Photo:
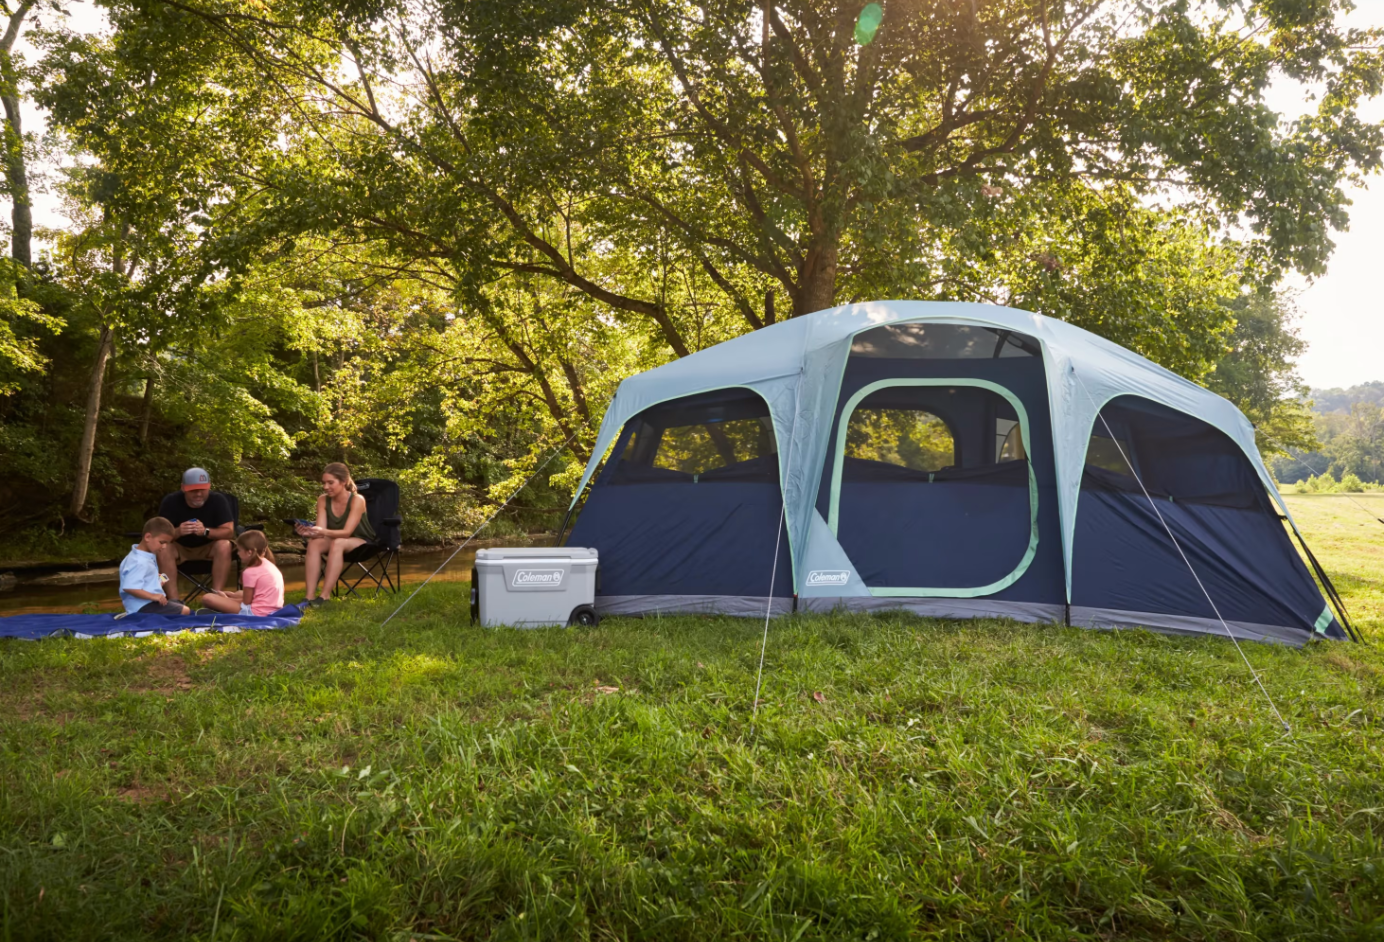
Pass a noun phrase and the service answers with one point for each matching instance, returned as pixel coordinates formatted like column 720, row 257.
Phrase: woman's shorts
column 245, row 610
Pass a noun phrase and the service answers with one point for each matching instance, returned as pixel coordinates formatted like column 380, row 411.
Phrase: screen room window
column 723, row 436
column 909, row 438
column 706, row 446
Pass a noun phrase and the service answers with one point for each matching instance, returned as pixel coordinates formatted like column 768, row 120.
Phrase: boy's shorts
column 161, row 608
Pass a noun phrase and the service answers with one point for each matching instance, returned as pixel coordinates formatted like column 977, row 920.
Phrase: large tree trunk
column 98, row 377
column 16, row 174
column 93, row 411
column 817, row 280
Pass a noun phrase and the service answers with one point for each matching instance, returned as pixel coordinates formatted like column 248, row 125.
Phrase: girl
column 263, row 585
column 341, row 526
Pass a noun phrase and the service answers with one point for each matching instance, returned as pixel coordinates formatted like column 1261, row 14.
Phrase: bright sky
column 1342, row 312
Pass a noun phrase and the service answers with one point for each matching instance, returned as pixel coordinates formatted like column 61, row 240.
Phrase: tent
column 955, row 460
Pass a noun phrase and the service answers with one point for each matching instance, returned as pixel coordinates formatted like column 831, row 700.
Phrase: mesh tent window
column 727, row 436
column 914, row 439
column 934, row 431
column 942, row 342
column 1178, row 457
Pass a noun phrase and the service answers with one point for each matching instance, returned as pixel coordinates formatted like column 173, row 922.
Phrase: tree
column 16, row 170
column 166, row 137
column 1258, row 375
column 791, row 158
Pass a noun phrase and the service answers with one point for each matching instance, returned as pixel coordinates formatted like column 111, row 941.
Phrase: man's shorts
column 182, row 554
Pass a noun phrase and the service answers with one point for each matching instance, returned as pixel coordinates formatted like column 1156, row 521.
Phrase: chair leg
column 198, row 587
column 377, row 572
column 350, row 590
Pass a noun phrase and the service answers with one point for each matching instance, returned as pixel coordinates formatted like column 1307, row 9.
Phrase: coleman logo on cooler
column 828, row 577
column 547, row 578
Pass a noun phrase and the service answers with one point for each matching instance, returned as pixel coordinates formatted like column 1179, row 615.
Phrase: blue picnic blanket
column 34, row 627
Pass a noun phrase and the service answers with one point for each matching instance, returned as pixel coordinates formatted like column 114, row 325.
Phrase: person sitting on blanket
column 263, row 584
column 205, row 529
column 342, row 525
column 141, row 583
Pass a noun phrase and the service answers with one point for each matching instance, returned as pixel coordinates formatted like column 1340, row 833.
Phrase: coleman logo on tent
column 828, row 577
column 537, row 578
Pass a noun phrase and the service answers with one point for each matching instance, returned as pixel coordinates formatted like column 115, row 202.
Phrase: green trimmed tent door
column 932, row 491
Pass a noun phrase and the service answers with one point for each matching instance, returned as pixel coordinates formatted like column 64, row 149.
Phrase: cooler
column 534, row 587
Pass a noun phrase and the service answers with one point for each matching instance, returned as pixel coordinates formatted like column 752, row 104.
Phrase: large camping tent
column 950, row 459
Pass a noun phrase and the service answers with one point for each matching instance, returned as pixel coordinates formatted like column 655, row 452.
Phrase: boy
column 141, row 586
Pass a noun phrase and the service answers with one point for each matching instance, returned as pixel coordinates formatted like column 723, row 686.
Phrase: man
column 205, row 530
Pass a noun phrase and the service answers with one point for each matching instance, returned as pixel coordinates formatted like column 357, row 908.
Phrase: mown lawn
column 905, row 779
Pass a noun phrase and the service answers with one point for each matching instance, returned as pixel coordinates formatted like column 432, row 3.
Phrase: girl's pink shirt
column 268, row 585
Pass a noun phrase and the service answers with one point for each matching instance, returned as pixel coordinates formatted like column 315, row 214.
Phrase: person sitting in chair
column 205, row 529
column 342, row 525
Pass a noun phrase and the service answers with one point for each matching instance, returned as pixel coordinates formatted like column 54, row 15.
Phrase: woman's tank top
column 363, row 529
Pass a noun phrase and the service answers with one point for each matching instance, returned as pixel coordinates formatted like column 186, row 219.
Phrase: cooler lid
column 497, row 553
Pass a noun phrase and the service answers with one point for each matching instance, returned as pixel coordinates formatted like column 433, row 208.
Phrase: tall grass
column 905, row 779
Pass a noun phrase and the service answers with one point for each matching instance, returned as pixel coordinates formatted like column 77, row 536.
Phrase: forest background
column 430, row 237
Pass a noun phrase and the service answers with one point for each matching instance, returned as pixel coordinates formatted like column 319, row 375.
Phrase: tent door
column 932, row 490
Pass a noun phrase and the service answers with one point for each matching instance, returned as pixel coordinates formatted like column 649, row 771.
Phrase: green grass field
column 905, row 779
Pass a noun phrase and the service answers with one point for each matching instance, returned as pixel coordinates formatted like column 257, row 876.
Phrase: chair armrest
column 133, row 535
column 392, row 521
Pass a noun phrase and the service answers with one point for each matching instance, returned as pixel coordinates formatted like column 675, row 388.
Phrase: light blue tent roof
column 797, row 366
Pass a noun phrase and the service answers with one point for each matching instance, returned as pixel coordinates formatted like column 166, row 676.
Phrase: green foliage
column 433, row 241
column 1257, row 374
column 1352, row 443
column 1326, row 484
column 22, row 323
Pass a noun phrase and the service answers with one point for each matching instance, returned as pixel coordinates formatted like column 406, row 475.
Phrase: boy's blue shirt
column 139, row 570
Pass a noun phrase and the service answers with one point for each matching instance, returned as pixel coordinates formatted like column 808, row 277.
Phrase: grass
column 1345, row 533
column 905, row 779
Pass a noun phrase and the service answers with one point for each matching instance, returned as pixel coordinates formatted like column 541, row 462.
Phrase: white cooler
column 534, row 587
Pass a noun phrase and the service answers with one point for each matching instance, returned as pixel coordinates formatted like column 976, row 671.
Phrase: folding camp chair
column 372, row 560
column 198, row 571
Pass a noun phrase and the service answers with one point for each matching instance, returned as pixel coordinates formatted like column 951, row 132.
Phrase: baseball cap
column 196, row 479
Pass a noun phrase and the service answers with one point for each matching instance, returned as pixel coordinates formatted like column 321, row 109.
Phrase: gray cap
column 196, row 479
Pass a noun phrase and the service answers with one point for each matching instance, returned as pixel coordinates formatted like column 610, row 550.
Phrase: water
column 104, row 597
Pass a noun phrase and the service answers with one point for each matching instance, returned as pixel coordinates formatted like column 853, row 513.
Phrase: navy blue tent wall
column 687, row 511
column 1193, row 480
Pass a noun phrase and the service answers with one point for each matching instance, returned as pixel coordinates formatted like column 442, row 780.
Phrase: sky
column 1342, row 312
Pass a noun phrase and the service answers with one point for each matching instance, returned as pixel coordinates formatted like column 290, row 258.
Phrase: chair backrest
column 235, row 510
column 382, row 508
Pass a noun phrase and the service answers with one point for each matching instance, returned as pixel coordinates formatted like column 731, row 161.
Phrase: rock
column 80, row 577
column 7, row 581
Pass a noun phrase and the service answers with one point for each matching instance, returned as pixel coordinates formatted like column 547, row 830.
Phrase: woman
column 263, row 585
column 341, row 526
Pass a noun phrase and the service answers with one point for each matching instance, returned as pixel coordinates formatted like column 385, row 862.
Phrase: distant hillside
column 1349, row 423
column 1326, row 401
